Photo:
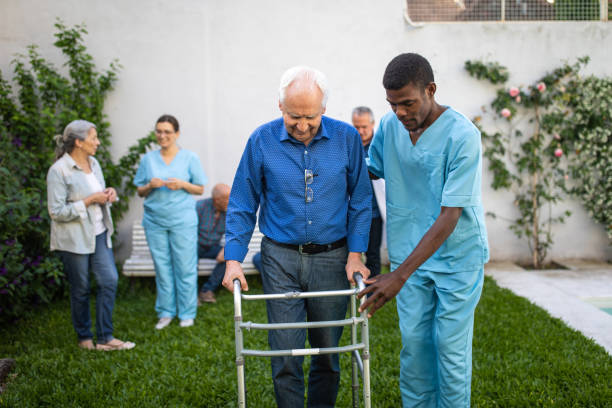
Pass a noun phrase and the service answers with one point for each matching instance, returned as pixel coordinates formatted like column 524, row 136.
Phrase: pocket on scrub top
column 434, row 165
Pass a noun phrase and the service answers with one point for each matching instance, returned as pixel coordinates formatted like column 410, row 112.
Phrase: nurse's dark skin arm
column 384, row 287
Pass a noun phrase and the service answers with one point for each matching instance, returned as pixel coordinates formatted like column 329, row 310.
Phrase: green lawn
column 522, row 358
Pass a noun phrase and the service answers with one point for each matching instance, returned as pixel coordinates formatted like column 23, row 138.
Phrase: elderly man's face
column 302, row 110
column 365, row 126
column 220, row 202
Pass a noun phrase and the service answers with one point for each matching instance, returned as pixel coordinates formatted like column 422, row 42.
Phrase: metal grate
column 506, row 10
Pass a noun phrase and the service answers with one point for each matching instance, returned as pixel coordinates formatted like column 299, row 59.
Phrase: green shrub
column 558, row 126
column 42, row 103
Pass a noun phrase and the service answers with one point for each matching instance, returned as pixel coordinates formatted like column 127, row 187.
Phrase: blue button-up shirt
column 271, row 176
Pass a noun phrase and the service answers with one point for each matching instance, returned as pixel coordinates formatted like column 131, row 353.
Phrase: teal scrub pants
column 175, row 255
column 436, row 317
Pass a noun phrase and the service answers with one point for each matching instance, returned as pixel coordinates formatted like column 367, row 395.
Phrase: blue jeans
column 216, row 277
column 286, row 270
column 76, row 267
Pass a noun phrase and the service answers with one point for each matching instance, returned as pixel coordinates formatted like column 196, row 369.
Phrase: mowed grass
column 522, row 358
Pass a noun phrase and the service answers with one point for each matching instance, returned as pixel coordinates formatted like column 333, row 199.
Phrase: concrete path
column 574, row 295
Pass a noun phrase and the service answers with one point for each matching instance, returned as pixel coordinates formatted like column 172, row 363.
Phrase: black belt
column 311, row 248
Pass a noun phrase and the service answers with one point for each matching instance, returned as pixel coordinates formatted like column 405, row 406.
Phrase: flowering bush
column 564, row 113
column 41, row 105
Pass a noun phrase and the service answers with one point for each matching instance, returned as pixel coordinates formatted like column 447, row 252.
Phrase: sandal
column 86, row 344
column 115, row 344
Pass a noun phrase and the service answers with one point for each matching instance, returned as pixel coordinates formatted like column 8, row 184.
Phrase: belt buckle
column 301, row 247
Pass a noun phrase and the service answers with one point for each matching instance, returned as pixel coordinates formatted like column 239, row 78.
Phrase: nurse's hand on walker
column 233, row 270
column 384, row 287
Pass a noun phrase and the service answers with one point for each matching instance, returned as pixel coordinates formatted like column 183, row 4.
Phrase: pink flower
column 505, row 112
column 566, row 177
column 518, row 99
column 541, row 86
column 556, row 136
column 558, row 152
column 514, row 91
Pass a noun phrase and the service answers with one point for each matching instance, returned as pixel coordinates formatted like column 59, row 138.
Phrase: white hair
column 303, row 72
column 77, row 129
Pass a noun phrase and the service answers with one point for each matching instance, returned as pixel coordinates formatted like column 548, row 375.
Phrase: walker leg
column 239, row 346
column 365, row 338
column 355, row 382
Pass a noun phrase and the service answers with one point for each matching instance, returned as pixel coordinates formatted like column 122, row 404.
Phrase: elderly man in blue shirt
column 307, row 173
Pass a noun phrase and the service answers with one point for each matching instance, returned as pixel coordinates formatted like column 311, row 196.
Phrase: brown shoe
column 207, row 297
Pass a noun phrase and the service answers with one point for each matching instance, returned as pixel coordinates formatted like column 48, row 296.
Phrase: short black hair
column 407, row 68
column 170, row 119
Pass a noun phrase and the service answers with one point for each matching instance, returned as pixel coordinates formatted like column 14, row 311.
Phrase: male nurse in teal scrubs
column 430, row 158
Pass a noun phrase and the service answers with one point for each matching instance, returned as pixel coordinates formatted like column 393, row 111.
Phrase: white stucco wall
column 216, row 65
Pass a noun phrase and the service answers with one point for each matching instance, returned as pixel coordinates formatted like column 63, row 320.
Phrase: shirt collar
column 73, row 164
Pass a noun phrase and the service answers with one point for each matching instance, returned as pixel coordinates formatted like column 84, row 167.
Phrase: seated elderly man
column 211, row 227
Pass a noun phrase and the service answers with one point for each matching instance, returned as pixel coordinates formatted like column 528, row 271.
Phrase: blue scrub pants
column 175, row 255
column 436, row 317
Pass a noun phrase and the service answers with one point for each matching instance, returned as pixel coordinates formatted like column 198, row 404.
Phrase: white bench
column 140, row 263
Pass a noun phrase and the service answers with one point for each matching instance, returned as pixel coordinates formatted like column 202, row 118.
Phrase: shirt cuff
column 459, row 201
column 357, row 243
column 233, row 252
column 81, row 209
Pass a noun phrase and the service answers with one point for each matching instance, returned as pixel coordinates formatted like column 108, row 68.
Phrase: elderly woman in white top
column 81, row 229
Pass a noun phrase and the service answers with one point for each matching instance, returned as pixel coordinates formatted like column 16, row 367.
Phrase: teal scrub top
column 164, row 207
column 443, row 168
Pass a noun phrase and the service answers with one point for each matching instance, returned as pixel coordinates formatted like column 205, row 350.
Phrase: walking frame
column 360, row 361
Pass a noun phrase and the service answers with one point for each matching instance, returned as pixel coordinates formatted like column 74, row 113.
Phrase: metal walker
column 360, row 361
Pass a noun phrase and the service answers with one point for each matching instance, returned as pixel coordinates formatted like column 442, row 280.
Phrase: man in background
column 363, row 120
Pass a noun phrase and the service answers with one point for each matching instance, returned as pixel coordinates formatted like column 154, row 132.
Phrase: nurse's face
column 166, row 135
column 412, row 104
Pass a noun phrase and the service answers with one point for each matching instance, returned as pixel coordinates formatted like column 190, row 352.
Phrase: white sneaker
column 186, row 323
column 163, row 322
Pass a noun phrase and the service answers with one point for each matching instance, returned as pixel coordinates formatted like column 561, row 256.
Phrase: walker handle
column 358, row 278
column 237, row 286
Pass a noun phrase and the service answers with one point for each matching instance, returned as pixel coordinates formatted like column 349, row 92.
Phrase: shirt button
column 305, row 151
column 309, row 222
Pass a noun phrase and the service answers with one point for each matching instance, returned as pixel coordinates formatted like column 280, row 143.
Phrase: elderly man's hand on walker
column 233, row 271
column 355, row 264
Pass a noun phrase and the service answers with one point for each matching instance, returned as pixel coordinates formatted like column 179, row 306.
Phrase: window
column 420, row 11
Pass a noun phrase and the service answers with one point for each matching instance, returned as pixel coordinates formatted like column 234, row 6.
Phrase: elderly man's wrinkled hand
column 354, row 264
column 233, row 271
column 382, row 288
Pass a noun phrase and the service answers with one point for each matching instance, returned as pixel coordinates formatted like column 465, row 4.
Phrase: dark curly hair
column 407, row 68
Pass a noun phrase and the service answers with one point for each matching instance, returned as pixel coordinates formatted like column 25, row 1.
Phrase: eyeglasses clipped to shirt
column 308, row 179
